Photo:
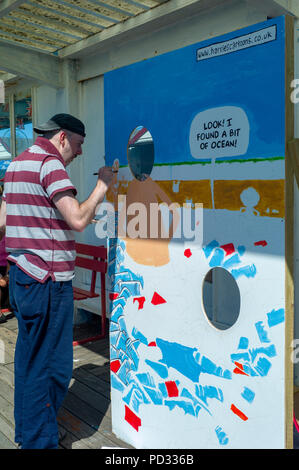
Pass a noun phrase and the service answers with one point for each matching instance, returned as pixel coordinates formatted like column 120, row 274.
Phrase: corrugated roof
column 50, row 25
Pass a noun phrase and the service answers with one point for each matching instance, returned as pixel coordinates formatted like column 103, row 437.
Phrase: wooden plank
column 99, row 9
column 54, row 37
column 7, row 392
column 9, row 5
column 74, row 12
column 289, row 236
column 165, row 14
column 5, row 443
column 93, row 398
column 6, row 411
column 6, row 376
column 293, row 151
column 83, row 432
column 29, row 64
column 60, row 21
column 93, row 382
column 86, row 413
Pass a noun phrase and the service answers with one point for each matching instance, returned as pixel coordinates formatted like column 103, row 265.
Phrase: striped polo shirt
column 38, row 239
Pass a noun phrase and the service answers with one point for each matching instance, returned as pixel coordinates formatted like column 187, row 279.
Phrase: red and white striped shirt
column 37, row 238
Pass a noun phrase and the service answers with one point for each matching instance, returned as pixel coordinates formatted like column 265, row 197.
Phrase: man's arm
column 79, row 215
column 2, row 219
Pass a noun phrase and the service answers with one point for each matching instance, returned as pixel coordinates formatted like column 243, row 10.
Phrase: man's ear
column 62, row 137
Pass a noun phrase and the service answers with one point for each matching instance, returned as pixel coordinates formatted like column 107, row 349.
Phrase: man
column 40, row 213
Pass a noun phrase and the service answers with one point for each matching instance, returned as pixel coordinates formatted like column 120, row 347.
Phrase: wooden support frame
column 33, row 65
column 289, row 233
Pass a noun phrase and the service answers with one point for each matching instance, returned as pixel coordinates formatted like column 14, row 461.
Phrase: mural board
column 216, row 114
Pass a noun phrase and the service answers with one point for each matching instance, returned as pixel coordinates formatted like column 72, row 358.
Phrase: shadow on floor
column 86, row 410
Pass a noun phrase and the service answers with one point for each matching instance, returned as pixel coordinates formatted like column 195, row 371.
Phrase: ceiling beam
column 7, row 6
column 29, row 64
column 164, row 14
column 292, row 6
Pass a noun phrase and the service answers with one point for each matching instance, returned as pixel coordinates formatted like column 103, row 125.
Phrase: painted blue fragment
column 113, row 326
column 275, row 317
column 122, row 373
column 269, row 351
column 114, row 337
column 217, row 258
column 221, row 435
column 138, row 335
column 154, row 395
column 135, row 397
column 180, row 357
column 163, row 389
column 122, row 340
column 209, row 391
column 239, row 356
column 118, row 301
column 146, row 379
column 209, row 367
column 113, row 353
column 116, row 383
column 161, row 369
column 263, row 366
column 122, row 324
column 196, row 402
column 243, row 343
column 185, row 405
column 210, row 247
column 249, row 370
column 132, row 353
column 248, row 271
column 241, row 250
column 248, row 395
column 232, row 261
column 263, row 335
column 116, row 313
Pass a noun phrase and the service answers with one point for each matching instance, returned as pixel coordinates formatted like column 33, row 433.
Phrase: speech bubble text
column 219, row 132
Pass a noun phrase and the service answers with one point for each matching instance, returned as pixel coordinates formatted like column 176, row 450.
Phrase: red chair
column 94, row 259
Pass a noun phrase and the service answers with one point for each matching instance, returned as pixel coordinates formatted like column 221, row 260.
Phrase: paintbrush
column 113, row 171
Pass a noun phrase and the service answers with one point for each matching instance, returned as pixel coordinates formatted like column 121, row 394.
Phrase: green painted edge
column 254, row 160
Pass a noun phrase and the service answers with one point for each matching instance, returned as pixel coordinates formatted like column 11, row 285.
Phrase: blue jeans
column 43, row 356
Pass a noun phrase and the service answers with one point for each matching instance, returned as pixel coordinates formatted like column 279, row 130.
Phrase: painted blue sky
column 165, row 93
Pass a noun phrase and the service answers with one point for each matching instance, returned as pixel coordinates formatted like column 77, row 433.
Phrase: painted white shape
column 219, row 132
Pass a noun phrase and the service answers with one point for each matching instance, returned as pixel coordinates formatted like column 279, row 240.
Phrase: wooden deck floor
column 85, row 414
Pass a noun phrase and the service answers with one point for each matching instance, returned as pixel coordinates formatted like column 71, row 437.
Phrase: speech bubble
column 219, row 132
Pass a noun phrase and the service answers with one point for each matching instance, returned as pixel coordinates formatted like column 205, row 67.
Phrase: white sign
column 219, row 132
column 236, row 44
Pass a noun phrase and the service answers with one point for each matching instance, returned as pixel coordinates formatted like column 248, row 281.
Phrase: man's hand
column 105, row 176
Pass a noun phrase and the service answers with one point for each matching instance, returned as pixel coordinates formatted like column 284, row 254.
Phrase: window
column 23, row 124
column 16, row 129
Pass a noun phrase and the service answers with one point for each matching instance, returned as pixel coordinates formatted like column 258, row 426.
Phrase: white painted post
column 2, row 94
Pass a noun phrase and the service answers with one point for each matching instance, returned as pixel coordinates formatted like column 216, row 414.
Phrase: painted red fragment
column 115, row 365
column 228, row 248
column 261, row 243
column 172, row 389
column 140, row 301
column 113, row 295
column 238, row 412
column 157, row 299
column 188, row 253
column 239, row 369
column 132, row 419
column 152, row 343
